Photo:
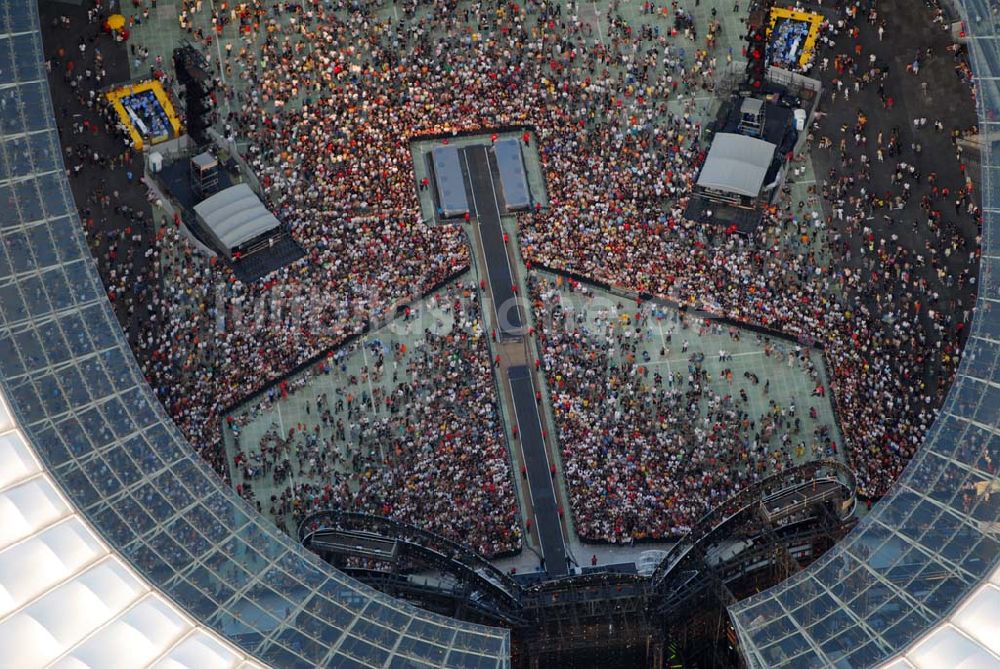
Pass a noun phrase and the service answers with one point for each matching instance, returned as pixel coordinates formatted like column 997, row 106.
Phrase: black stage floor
column 256, row 266
column 486, row 208
column 536, row 461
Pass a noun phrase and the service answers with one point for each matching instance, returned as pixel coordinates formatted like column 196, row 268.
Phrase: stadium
column 441, row 333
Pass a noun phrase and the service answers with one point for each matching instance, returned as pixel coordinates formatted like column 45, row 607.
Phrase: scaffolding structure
column 759, row 537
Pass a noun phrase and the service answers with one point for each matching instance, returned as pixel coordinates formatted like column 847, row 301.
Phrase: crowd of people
column 328, row 95
column 876, row 305
column 414, row 435
column 648, row 450
column 328, row 124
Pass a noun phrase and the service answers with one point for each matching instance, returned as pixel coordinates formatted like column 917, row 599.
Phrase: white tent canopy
column 737, row 164
column 235, row 216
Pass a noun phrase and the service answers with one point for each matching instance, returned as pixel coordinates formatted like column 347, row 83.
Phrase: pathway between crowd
column 518, row 389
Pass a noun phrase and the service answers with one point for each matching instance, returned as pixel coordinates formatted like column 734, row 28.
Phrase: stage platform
column 175, row 178
column 536, row 461
column 487, row 210
column 449, row 182
column 259, row 264
column 724, row 217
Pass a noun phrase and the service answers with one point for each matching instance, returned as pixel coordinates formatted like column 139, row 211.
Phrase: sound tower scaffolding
column 760, row 15
column 599, row 619
column 760, row 536
column 195, row 73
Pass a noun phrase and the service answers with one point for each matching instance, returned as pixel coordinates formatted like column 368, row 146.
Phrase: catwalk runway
column 486, row 208
column 536, row 461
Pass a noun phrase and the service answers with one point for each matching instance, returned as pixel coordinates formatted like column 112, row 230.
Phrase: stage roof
column 513, row 179
column 737, row 164
column 235, row 215
column 449, row 181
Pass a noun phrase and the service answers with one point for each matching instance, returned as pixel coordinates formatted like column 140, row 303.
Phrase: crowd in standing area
column 328, row 95
column 414, row 434
column 891, row 341
column 328, row 100
column 649, row 449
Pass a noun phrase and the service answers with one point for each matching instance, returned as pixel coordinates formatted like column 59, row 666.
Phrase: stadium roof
column 164, row 550
column 235, row 215
column 969, row 638
column 130, row 528
column 52, row 562
column 737, row 164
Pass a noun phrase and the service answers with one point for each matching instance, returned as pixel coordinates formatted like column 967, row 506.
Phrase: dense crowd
column 329, row 125
column 328, row 96
column 891, row 341
column 648, row 450
column 414, row 435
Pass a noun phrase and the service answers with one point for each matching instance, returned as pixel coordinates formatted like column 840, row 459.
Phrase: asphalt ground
column 103, row 223
column 536, row 461
column 935, row 93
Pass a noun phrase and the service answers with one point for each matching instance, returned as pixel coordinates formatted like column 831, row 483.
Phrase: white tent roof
column 66, row 600
column 737, row 164
column 235, row 215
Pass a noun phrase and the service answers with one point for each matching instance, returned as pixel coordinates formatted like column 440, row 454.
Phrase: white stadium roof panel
column 66, row 601
column 27, row 507
column 898, row 663
column 198, row 651
column 947, row 647
column 979, row 617
column 29, row 568
column 140, row 634
column 17, row 462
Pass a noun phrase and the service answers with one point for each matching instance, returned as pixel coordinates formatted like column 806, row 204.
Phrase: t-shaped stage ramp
column 484, row 200
column 540, row 480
